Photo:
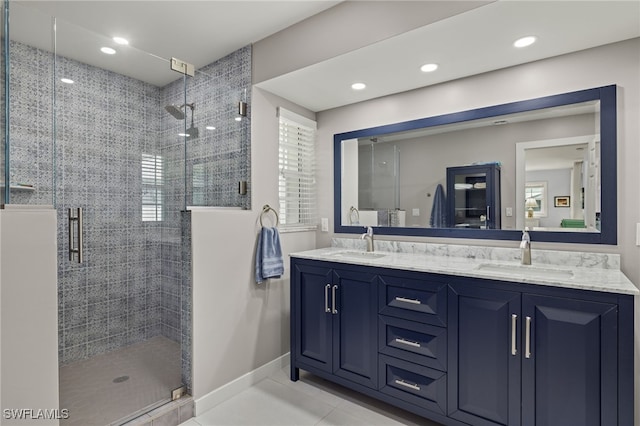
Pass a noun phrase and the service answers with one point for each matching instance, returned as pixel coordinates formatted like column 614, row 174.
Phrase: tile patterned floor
column 88, row 390
column 311, row 401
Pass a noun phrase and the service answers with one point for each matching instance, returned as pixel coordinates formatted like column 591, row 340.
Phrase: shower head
column 176, row 111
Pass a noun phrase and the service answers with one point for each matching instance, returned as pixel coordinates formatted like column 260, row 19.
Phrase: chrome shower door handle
column 75, row 234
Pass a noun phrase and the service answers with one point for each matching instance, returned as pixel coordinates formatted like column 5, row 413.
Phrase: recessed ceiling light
column 183, row 134
column 429, row 67
column 524, row 41
column 210, row 128
column 121, row 40
column 238, row 118
column 66, row 80
column 108, row 50
column 358, row 86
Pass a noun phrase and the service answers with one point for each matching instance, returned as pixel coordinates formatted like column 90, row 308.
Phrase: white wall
column 29, row 312
column 618, row 63
column 239, row 325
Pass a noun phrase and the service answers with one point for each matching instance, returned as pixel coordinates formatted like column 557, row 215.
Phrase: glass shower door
column 118, row 322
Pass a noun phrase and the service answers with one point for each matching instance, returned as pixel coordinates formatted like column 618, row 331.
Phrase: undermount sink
column 526, row 270
column 358, row 254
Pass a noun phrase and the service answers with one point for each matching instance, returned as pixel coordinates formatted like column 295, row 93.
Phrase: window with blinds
column 152, row 182
column 297, row 183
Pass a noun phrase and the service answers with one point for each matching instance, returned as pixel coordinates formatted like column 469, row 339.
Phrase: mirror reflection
column 538, row 169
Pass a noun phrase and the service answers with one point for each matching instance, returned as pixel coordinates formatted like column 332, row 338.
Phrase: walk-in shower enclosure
column 133, row 148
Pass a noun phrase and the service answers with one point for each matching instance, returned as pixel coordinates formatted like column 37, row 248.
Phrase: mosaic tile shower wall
column 216, row 160
column 135, row 282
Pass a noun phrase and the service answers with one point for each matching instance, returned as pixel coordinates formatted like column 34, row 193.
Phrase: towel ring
column 353, row 210
column 266, row 209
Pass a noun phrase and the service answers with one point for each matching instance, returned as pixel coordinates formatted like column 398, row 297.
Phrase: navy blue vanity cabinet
column 334, row 320
column 538, row 356
column 570, row 365
column 412, row 338
column 473, row 196
column 484, row 379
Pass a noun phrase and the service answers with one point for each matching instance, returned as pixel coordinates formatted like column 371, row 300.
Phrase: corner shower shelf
column 18, row 187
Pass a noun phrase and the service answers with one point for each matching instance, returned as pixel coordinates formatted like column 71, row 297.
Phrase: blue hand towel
column 438, row 210
column 269, row 262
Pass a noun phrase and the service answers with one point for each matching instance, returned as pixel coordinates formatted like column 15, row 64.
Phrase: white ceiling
column 201, row 32
column 198, row 32
column 473, row 42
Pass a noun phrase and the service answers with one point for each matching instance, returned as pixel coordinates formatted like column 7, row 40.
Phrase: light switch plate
column 416, row 212
column 324, row 224
column 508, row 211
column 638, row 234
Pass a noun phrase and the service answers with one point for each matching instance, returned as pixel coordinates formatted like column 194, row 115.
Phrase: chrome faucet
column 525, row 246
column 369, row 237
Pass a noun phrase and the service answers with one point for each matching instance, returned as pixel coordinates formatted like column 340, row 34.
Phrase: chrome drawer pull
column 408, row 342
column 407, row 385
column 405, row 300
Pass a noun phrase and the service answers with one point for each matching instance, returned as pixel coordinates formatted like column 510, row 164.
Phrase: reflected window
column 536, row 191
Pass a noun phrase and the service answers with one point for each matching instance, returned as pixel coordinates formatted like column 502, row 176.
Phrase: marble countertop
column 609, row 280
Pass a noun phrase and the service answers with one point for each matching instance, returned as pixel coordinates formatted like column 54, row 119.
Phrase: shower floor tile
column 108, row 387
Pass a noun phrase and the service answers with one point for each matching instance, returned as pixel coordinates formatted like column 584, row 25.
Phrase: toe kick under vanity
column 466, row 335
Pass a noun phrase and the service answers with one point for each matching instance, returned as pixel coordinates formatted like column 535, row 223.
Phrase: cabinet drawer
column 413, row 341
column 418, row 385
column 416, row 300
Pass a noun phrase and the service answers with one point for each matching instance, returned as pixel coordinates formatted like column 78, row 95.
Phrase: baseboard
column 224, row 392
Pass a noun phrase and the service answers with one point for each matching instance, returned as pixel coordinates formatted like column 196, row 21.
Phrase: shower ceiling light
column 358, row 86
column 108, row 50
column 120, row 40
column 524, row 41
column 66, row 80
column 429, row 67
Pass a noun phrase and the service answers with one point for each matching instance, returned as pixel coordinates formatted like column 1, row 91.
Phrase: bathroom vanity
column 465, row 335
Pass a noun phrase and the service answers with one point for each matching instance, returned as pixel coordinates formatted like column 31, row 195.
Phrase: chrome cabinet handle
column 514, row 325
column 527, row 338
column 408, row 342
column 407, row 385
column 333, row 300
column 75, row 227
column 326, row 298
column 405, row 300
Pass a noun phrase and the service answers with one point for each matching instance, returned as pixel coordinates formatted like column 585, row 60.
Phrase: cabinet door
column 570, row 375
column 483, row 372
column 355, row 326
column 312, row 321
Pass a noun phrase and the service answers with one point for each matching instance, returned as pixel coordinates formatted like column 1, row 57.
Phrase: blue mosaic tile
column 135, row 282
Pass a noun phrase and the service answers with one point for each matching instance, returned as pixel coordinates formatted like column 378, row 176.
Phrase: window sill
column 301, row 228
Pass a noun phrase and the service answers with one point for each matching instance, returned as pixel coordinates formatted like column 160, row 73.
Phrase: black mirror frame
column 607, row 95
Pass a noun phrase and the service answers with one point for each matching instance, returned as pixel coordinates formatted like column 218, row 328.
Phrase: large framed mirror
column 548, row 164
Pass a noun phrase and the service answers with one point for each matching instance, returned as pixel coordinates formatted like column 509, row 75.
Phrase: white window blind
column 152, row 181
column 297, row 182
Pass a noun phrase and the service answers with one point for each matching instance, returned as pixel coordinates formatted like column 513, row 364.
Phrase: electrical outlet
column 324, row 224
column 508, row 211
column 415, row 212
column 638, row 234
